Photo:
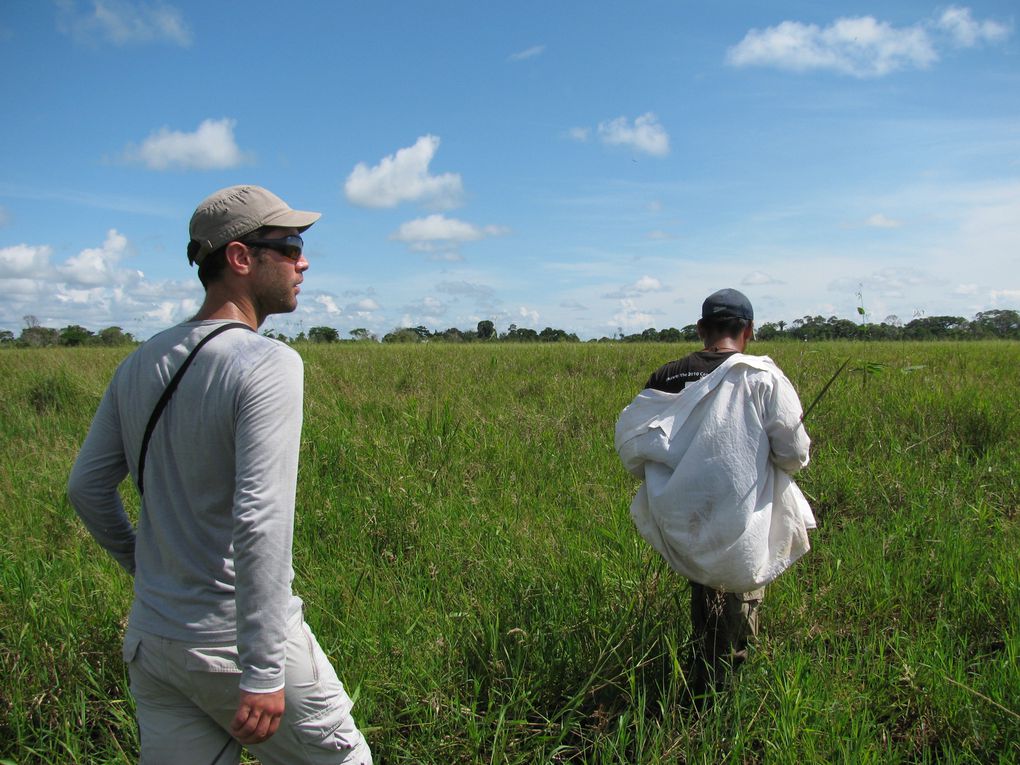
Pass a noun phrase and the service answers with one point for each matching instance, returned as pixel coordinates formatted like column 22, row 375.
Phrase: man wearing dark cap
column 206, row 418
column 716, row 435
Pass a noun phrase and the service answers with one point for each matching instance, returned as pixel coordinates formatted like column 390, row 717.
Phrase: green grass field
column 466, row 557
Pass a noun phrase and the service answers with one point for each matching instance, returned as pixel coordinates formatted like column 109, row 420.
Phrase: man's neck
column 221, row 307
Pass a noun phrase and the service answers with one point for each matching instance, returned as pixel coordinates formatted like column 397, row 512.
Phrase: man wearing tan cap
column 206, row 418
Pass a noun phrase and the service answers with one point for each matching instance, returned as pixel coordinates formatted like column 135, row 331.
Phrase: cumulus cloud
column 645, row 134
column 328, row 304
column 210, row 147
column 366, row 304
column 862, row 46
column 404, row 177
column 759, row 278
column 439, row 233
column 121, row 22
column 427, row 306
column 579, row 134
column 966, row 32
column 91, row 288
column 528, row 314
column 631, row 317
column 532, row 52
column 98, row 266
column 642, row 286
column 23, row 260
column 878, row 220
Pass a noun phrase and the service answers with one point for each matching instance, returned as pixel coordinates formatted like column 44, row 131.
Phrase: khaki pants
column 187, row 693
column 722, row 625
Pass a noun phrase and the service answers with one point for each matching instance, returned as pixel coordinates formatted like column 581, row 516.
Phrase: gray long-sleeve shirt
column 212, row 554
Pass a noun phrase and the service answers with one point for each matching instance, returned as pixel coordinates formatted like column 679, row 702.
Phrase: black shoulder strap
column 169, row 392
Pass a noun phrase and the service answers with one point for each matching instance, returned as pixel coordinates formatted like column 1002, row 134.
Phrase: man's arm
column 267, row 440
column 788, row 440
column 92, row 486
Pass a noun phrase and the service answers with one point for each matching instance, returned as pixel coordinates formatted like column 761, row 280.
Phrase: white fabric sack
column 717, row 501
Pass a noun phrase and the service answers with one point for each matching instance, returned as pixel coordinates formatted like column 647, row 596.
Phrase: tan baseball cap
column 232, row 212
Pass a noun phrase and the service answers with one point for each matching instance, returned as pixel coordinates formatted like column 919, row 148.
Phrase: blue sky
column 598, row 167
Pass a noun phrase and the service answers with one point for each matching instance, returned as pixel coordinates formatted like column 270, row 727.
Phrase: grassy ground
column 466, row 557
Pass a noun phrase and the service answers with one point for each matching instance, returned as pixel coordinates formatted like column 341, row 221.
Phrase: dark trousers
column 722, row 626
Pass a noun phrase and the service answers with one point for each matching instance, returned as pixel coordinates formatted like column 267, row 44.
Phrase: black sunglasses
column 288, row 246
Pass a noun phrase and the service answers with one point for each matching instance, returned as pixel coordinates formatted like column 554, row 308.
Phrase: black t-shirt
column 672, row 377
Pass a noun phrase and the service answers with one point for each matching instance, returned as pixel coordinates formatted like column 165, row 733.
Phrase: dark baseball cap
column 230, row 213
column 727, row 304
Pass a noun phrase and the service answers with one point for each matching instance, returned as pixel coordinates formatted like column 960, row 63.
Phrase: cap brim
column 299, row 219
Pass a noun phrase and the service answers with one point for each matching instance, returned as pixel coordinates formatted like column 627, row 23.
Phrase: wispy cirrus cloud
column 862, row 46
column 121, row 22
column 210, row 147
column 880, row 220
column 404, row 177
column 533, row 52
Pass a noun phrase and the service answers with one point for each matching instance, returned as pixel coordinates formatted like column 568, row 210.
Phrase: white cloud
column 328, row 303
column 481, row 292
column 97, row 266
column 529, row 314
column 1008, row 297
column 210, row 147
column 966, row 289
column 646, row 134
column 24, row 260
column 647, row 284
column 532, row 52
column 579, row 133
column 366, row 304
column 631, row 317
column 759, row 278
column 966, row 32
column 5, row 217
column 642, row 286
column 431, row 308
column 121, row 22
column 890, row 282
column 860, row 46
column 573, row 305
column 878, row 220
column 90, row 288
column 404, row 177
column 658, row 235
column 437, row 232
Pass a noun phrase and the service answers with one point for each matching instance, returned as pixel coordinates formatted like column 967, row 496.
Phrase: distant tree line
column 1003, row 324
column 36, row 336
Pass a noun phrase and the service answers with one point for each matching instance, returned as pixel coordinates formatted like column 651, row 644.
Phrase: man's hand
column 258, row 716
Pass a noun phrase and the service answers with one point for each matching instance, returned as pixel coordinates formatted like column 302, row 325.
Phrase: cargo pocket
column 129, row 649
column 332, row 730
column 216, row 659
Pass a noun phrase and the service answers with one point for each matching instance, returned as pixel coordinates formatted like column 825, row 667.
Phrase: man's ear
column 239, row 258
